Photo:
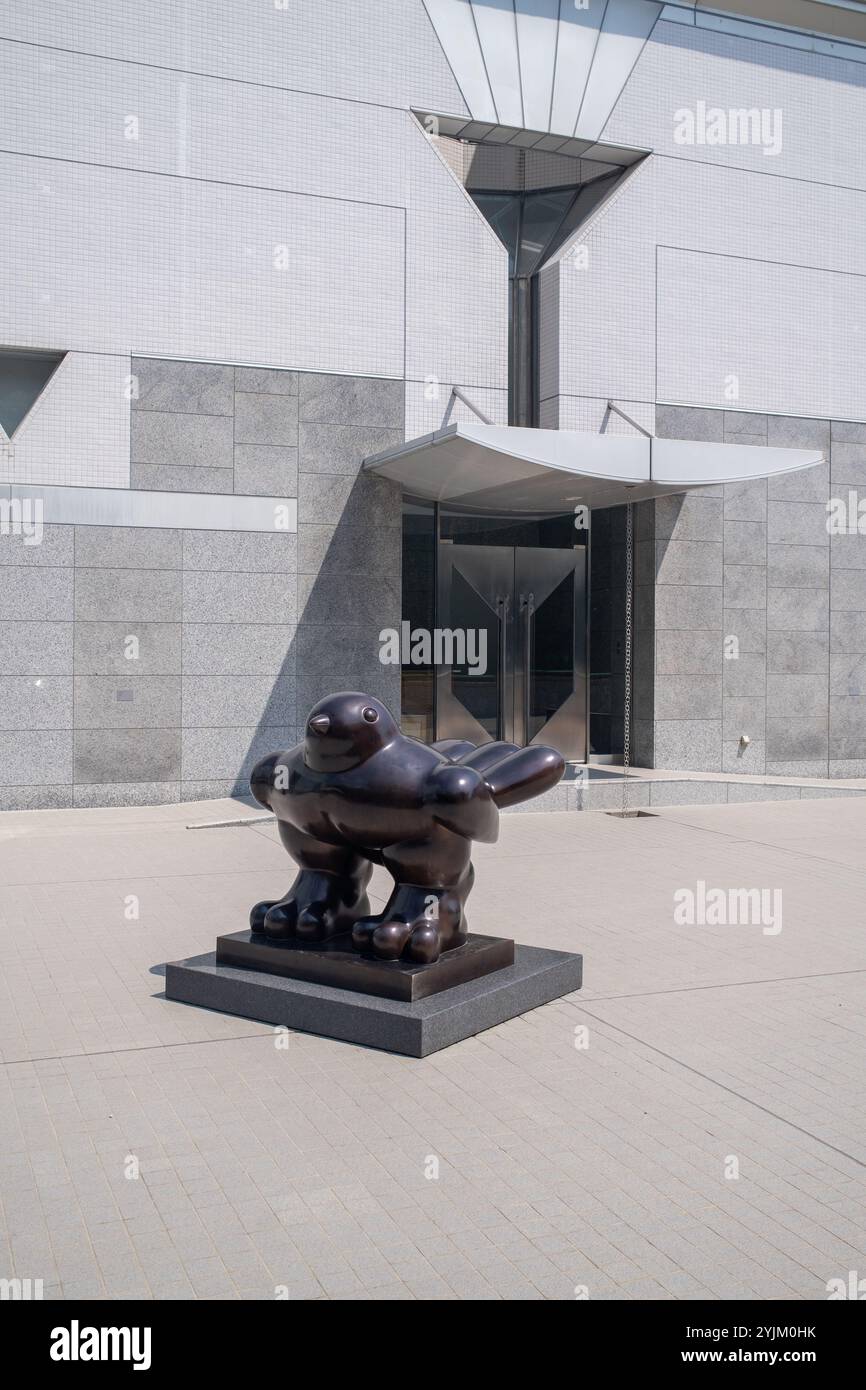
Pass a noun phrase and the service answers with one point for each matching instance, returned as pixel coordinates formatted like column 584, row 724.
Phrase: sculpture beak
column 320, row 724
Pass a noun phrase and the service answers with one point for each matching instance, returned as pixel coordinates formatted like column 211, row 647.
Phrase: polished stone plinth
column 413, row 1028
column 338, row 964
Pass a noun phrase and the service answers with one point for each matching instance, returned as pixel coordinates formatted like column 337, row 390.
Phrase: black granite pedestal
column 416, row 1024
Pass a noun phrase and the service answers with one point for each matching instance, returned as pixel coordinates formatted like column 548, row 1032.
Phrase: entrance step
column 590, row 788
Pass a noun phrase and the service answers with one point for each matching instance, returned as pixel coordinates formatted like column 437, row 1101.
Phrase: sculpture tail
column 512, row 774
column 520, row 775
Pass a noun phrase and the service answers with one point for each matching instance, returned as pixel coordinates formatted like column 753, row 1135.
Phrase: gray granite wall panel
column 794, row 599
column 142, row 665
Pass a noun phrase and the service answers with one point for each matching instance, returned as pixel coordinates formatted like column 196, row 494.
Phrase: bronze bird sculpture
column 357, row 792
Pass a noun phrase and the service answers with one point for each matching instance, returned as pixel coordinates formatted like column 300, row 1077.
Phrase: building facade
column 330, row 325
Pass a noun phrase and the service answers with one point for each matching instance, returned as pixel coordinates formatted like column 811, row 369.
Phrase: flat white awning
column 509, row 468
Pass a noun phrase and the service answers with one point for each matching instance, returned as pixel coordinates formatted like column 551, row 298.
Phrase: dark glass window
column 469, row 528
column 419, row 606
column 607, row 631
column 23, row 377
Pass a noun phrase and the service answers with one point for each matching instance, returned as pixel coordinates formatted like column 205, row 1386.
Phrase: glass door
column 550, row 683
column 473, row 640
column 511, row 635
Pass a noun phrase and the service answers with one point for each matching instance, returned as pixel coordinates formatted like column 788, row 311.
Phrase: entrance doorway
column 523, row 608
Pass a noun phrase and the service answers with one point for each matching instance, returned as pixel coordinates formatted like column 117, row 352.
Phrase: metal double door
column 511, row 629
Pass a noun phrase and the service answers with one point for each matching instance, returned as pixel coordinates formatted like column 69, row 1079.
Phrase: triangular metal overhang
column 509, row 468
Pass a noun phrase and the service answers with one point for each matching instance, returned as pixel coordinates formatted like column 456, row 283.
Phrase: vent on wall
column 24, row 374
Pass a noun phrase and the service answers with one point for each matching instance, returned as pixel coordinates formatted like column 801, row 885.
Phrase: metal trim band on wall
column 187, row 511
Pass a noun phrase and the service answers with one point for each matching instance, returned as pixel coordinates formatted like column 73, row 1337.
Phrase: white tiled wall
column 822, row 101
column 370, row 51
column 760, row 336
column 107, row 260
column 427, row 402
column 145, row 207
column 591, row 413
column 267, row 125
column 717, row 275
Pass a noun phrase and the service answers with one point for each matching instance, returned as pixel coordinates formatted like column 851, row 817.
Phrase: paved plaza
column 690, row 1125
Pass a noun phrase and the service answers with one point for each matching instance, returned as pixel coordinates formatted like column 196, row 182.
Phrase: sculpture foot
column 287, row 920
column 402, row 932
column 313, row 910
column 276, row 920
column 258, row 915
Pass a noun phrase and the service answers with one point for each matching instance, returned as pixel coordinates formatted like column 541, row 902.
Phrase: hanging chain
column 629, row 584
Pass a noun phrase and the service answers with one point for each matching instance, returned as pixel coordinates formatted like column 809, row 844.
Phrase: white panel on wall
column 104, row 259
column 121, row 506
column 814, row 105
column 265, row 140
column 457, row 278
column 806, row 241
column 799, row 207
column 751, row 335
column 548, row 335
column 78, row 430
column 382, row 51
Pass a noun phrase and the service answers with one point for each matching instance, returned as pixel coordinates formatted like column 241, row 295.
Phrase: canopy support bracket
column 457, row 394
column 611, row 405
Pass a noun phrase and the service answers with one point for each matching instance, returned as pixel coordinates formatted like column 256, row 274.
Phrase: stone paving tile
column 156, row 1151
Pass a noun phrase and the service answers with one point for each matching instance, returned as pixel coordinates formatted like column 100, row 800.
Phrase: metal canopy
column 508, row 468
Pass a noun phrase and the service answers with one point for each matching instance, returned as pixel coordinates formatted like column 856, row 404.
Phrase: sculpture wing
column 460, row 800
column 263, row 774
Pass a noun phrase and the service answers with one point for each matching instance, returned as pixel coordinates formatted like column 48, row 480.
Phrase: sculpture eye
column 370, row 714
